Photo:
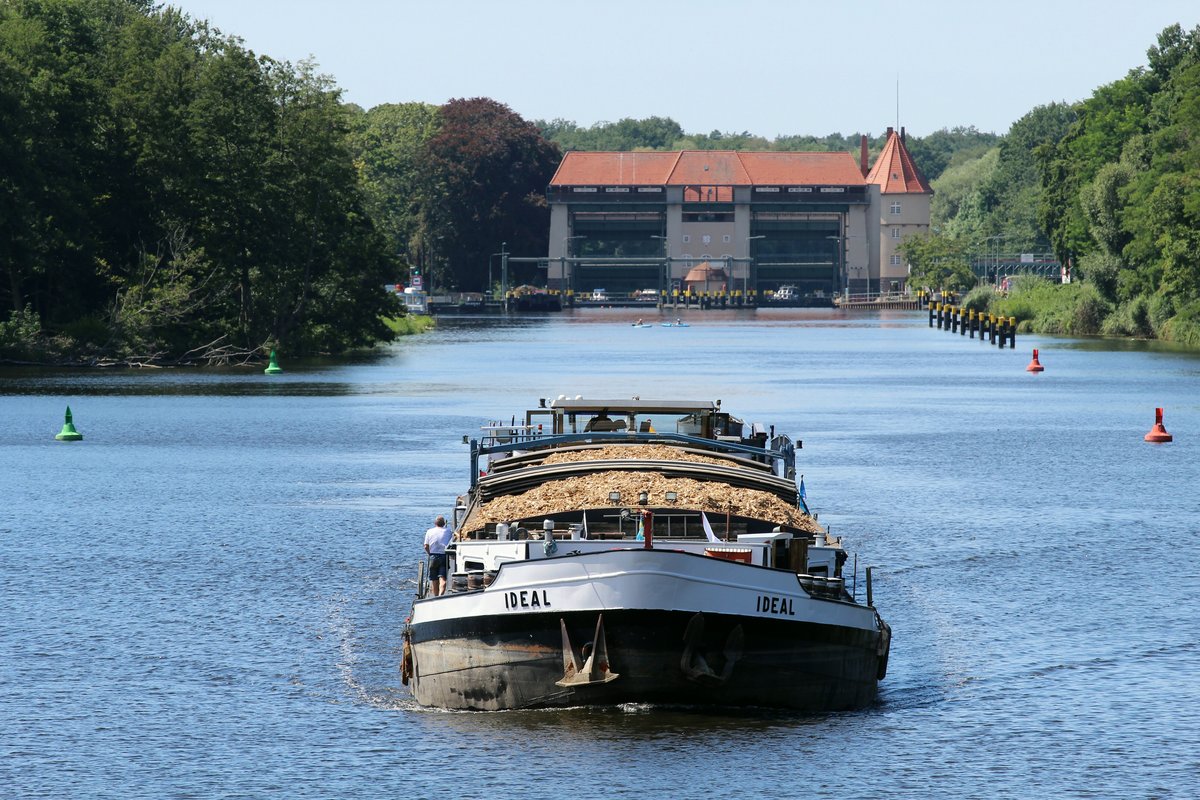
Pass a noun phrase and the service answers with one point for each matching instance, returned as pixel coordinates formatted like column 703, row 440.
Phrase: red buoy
column 1035, row 365
column 1158, row 433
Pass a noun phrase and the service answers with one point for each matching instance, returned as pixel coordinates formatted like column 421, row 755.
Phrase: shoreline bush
column 409, row 324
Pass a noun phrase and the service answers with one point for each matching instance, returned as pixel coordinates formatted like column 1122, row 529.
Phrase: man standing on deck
column 436, row 539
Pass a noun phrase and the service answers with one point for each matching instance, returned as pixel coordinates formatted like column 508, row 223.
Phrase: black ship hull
column 491, row 663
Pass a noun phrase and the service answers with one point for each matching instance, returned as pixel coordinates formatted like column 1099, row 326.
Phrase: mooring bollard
column 966, row 321
column 931, row 314
column 1012, row 333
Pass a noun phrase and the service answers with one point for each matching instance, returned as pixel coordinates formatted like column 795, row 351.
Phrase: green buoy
column 68, row 432
column 273, row 368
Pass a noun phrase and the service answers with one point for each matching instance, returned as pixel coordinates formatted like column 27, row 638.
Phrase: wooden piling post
column 1012, row 333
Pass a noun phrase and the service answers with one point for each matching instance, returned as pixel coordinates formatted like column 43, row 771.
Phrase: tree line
column 1108, row 184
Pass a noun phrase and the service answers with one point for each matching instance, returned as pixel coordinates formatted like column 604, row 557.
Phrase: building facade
column 821, row 222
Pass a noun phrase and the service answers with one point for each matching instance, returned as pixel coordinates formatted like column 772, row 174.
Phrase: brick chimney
column 902, row 134
column 862, row 155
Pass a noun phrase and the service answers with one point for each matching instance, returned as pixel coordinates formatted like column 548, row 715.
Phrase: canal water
column 204, row 597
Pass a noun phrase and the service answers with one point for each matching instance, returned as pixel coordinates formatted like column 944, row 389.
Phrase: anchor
column 595, row 668
column 695, row 667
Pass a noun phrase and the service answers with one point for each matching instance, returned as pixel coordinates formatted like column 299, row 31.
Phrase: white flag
column 585, row 525
column 712, row 537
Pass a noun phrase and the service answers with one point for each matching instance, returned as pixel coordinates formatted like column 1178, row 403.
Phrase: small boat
column 603, row 558
column 786, row 294
column 676, row 324
column 640, row 324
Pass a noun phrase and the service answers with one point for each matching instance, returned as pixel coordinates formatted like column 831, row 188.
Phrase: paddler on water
column 436, row 539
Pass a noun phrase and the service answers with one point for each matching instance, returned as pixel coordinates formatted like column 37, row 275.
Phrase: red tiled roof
column 834, row 169
column 709, row 168
column 614, row 169
column 699, row 170
column 895, row 171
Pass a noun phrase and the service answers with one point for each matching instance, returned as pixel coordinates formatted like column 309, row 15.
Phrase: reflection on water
column 204, row 597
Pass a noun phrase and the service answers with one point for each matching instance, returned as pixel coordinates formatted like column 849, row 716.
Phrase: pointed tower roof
column 895, row 171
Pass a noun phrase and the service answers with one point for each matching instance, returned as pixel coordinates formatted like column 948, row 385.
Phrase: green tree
column 652, row 133
column 940, row 149
column 937, row 262
column 163, row 183
column 961, row 205
column 1106, row 121
column 388, row 143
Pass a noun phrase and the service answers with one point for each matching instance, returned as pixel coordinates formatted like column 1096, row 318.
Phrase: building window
column 686, row 238
column 895, row 261
column 895, row 233
column 896, row 207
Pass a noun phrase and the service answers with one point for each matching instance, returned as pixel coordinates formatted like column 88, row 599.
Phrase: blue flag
column 804, row 497
column 641, row 536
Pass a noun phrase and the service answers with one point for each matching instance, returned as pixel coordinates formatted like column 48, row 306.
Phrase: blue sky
column 768, row 67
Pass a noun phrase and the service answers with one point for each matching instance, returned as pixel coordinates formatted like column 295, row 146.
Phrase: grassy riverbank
column 408, row 325
column 1079, row 309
